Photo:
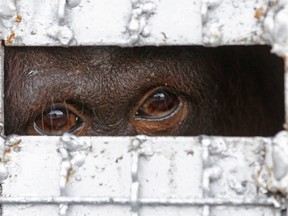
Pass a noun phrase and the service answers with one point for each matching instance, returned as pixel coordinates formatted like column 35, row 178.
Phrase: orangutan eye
column 158, row 106
column 56, row 121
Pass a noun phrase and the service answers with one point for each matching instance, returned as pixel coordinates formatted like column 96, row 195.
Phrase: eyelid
column 165, row 125
column 151, row 93
column 71, row 107
column 169, row 115
column 71, row 130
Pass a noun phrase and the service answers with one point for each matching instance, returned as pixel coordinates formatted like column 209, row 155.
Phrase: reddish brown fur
column 230, row 90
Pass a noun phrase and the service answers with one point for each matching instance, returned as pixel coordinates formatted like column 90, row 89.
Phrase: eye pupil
column 55, row 113
column 161, row 104
column 55, row 118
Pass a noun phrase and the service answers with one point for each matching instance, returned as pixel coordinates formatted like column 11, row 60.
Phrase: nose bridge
column 112, row 118
column 102, row 128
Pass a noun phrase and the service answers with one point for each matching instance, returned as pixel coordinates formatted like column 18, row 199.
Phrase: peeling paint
column 3, row 169
column 10, row 38
column 273, row 176
column 7, row 17
column 61, row 31
column 220, row 174
column 212, row 35
column 73, row 153
column 141, row 12
column 276, row 27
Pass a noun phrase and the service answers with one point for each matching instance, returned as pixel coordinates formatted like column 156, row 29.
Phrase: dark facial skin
column 235, row 91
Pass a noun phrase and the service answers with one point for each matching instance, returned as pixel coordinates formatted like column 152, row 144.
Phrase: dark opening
column 230, row 91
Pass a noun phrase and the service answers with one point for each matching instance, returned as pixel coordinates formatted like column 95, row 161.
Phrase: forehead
column 103, row 62
column 95, row 55
column 100, row 72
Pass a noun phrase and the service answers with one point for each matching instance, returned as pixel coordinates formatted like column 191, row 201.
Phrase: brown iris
column 56, row 121
column 158, row 106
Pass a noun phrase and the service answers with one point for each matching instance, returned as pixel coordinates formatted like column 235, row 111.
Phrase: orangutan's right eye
column 56, row 121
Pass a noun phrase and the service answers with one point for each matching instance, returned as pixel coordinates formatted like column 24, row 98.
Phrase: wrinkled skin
column 231, row 91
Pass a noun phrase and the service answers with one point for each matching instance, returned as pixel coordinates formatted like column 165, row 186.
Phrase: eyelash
column 158, row 104
column 66, row 108
column 160, row 93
